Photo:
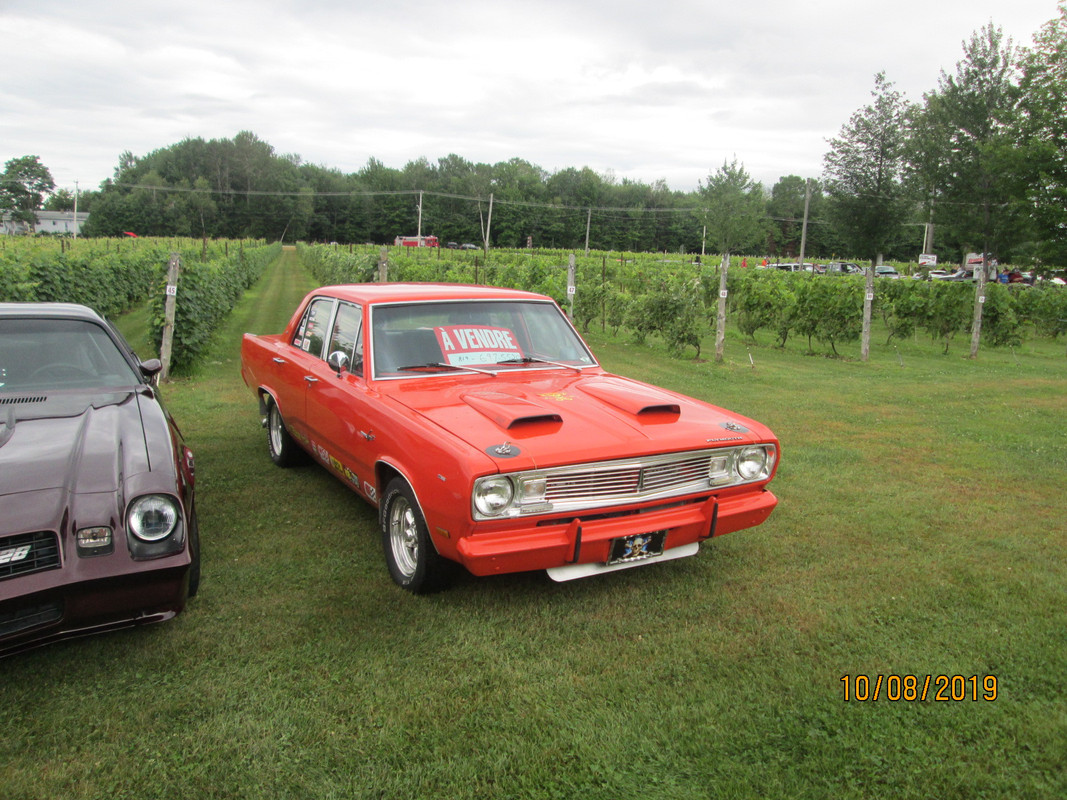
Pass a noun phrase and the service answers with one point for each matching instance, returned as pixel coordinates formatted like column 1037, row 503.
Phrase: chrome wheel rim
column 403, row 536
column 276, row 429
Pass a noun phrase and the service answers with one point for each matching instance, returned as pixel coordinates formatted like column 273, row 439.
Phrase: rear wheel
column 283, row 450
column 414, row 563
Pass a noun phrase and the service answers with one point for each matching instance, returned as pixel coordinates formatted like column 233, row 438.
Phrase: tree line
column 978, row 165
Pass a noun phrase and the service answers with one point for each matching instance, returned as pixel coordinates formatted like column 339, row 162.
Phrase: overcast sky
column 642, row 89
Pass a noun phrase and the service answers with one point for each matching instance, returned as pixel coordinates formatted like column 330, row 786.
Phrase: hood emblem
column 505, row 450
column 734, row 427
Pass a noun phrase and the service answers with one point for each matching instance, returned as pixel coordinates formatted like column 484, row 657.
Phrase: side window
column 347, row 336
column 311, row 333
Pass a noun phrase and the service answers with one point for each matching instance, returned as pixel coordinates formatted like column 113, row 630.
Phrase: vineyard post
column 173, row 270
column 383, row 265
column 603, row 293
column 979, row 301
column 720, row 323
column 868, row 299
column 570, row 284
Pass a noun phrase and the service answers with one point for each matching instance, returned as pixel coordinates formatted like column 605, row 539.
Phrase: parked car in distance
column 843, row 268
column 485, row 432
column 884, row 271
column 97, row 516
column 469, row 246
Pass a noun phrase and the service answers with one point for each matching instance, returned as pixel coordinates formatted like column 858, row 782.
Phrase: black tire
column 194, row 552
column 283, row 450
column 413, row 561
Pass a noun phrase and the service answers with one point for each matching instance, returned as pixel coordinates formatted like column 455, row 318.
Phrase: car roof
column 49, row 310
column 364, row 293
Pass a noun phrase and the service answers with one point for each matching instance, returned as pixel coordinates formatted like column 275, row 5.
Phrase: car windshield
column 38, row 354
column 475, row 336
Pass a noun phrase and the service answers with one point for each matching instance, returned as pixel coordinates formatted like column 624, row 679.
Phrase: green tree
column 786, row 211
column 23, row 186
column 968, row 146
column 734, row 209
column 1043, row 138
column 863, row 172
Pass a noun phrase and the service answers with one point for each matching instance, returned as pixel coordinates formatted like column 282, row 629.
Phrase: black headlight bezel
column 144, row 545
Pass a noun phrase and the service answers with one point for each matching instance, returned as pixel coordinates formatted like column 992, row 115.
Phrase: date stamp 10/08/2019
column 919, row 688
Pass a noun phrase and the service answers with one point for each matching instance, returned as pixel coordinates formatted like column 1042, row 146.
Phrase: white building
column 48, row 222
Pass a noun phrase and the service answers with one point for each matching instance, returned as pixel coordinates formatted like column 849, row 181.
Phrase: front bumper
column 81, row 609
column 587, row 540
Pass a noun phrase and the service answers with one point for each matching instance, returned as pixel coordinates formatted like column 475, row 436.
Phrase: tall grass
column 920, row 532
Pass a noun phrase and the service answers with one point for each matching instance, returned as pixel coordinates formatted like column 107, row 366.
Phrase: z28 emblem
column 15, row 554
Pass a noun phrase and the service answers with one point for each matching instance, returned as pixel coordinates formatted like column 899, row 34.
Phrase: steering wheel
column 61, row 372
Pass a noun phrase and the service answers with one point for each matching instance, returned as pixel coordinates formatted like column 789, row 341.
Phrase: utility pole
column 488, row 225
column 418, row 231
column 588, row 222
column 804, row 225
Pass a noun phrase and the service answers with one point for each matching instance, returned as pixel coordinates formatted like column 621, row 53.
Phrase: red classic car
column 97, row 522
column 481, row 426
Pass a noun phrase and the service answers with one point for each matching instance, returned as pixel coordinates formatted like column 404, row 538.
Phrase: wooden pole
column 979, row 301
column 383, row 265
column 720, row 325
column 174, row 267
column 868, row 301
column 804, row 226
column 570, row 284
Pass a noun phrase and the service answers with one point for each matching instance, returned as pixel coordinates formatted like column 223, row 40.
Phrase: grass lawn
column 921, row 531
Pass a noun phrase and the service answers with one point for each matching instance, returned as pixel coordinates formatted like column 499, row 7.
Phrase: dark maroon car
column 97, row 521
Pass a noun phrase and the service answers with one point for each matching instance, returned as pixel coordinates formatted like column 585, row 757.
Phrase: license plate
column 637, row 546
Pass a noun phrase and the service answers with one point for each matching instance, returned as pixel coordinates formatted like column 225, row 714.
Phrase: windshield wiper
column 528, row 360
column 442, row 365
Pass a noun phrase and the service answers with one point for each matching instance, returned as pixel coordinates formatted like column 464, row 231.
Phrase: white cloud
column 648, row 90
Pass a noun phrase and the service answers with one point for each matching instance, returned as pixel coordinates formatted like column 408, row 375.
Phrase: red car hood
column 555, row 418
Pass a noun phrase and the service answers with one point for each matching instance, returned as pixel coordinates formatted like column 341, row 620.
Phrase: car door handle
column 311, row 379
column 277, row 360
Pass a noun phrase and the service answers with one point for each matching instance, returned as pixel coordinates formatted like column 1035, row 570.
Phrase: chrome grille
column 632, row 480
column 603, row 483
column 675, row 473
column 27, row 553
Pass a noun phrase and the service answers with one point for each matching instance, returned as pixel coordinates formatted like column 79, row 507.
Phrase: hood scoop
column 641, row 402
column 509, row 411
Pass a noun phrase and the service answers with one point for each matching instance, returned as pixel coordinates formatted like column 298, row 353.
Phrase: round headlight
column 492, row 496
column 752, row 463
column 153, row 517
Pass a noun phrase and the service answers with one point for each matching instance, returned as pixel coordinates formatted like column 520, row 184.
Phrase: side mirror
column 339, row 361
column 151, row 369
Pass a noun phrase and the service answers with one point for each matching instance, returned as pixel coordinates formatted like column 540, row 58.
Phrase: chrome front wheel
column 413, row 561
